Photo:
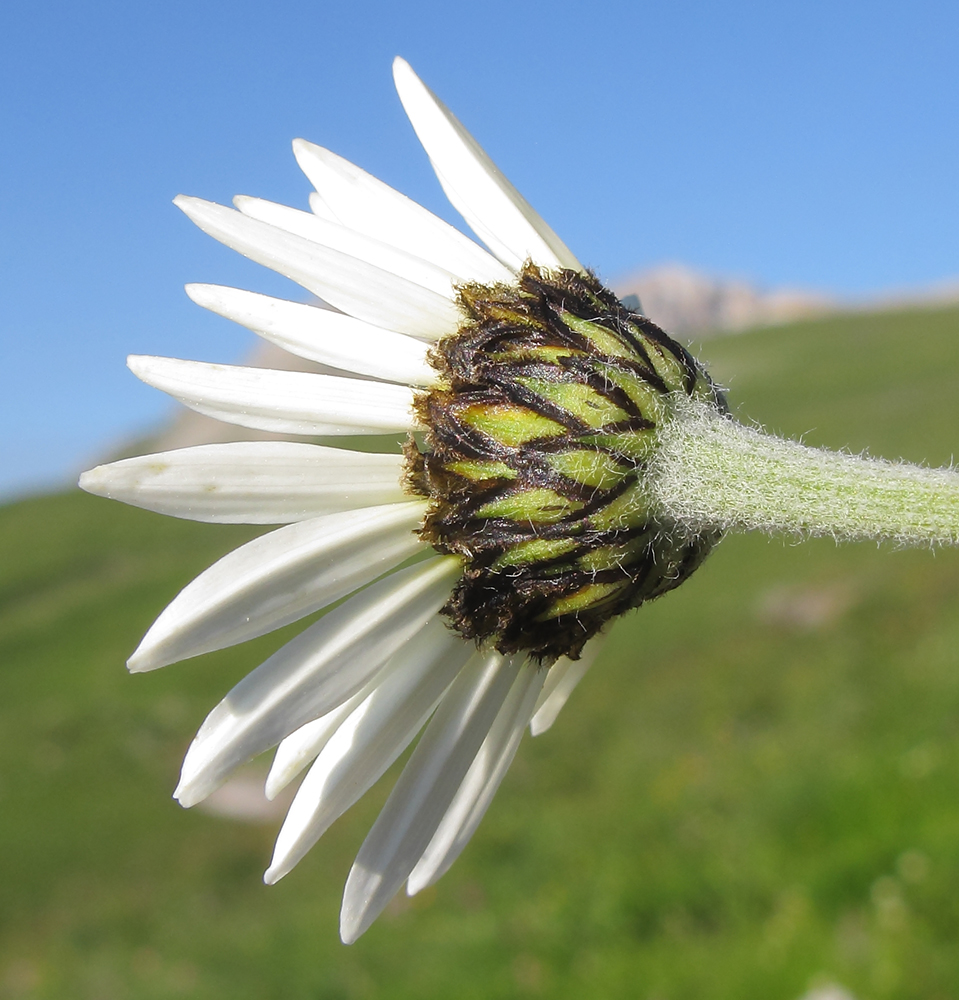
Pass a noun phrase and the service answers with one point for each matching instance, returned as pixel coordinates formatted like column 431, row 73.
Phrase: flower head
column 565, row 461
column 551, row 399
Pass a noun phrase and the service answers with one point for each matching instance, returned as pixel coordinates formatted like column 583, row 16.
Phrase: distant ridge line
column 688, row 302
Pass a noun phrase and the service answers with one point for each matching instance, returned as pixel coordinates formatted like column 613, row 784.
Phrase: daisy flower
column 565, row 460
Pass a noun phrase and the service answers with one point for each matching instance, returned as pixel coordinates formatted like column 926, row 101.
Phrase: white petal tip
column 187, row 796
column 145, row 658
column 272, row 875
column 191, row 206
column 181, row 798
column 415, row 885
column 138, row 363
column 192, row 787
column 274, row 785
column 400, row 65
column 404, row 77
column 350, row 932
column 284, row 860
column 92, row 480
column 539, row 726
column 362, row 903
column 138, row 663
column 205, row 295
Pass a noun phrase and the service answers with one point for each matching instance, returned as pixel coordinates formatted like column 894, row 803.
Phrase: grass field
column 755, row 790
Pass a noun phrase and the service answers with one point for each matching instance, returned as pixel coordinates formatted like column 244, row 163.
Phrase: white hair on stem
column 711, row 471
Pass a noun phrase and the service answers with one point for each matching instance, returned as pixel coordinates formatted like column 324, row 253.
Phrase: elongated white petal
column 322, row 335
column 489, row 203
column 374, row 735
column 353, row 285
column 337, row 237
column 314, row 673
column 279, row 578
column 367, row 205
column 301, row 747
column 285, row 402
column 251, row 482
column 563, row 677
column 424, row 790
column 321, row 208
column 481, row 782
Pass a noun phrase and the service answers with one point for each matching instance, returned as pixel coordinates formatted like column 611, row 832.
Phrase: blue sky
column 812, row 144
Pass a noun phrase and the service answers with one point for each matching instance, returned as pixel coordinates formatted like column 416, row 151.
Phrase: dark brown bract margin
column 537, row 443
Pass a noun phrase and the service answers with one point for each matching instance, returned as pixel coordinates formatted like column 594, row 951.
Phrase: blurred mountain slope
column 751, row 795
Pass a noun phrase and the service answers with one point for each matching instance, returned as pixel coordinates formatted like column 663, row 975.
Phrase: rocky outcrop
column 686, row 302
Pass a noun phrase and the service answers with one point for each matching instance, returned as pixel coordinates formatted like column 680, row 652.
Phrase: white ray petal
column 357, row 287
column 332, row 338
column 489, row 203
column 279, row 578
column 314, row 673
column 375, row 734
column 280, row 401
column 251, row 482
column 338, row 237
column 563, row 677
column 424, row 790
column 481, row 782
column 321, row 208
column 366, row 204
column 301, row 747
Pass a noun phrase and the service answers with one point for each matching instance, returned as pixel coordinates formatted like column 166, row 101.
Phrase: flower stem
column 711, row 471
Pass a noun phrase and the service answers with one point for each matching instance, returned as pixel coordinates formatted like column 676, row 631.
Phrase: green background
column 752, row 792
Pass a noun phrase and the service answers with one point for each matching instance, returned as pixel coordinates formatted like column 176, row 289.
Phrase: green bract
column 551, row 402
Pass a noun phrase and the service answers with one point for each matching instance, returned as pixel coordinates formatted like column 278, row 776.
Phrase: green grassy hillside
column 755, row 790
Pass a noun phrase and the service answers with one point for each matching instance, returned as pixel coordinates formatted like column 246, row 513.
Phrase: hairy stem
column 711, row 471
